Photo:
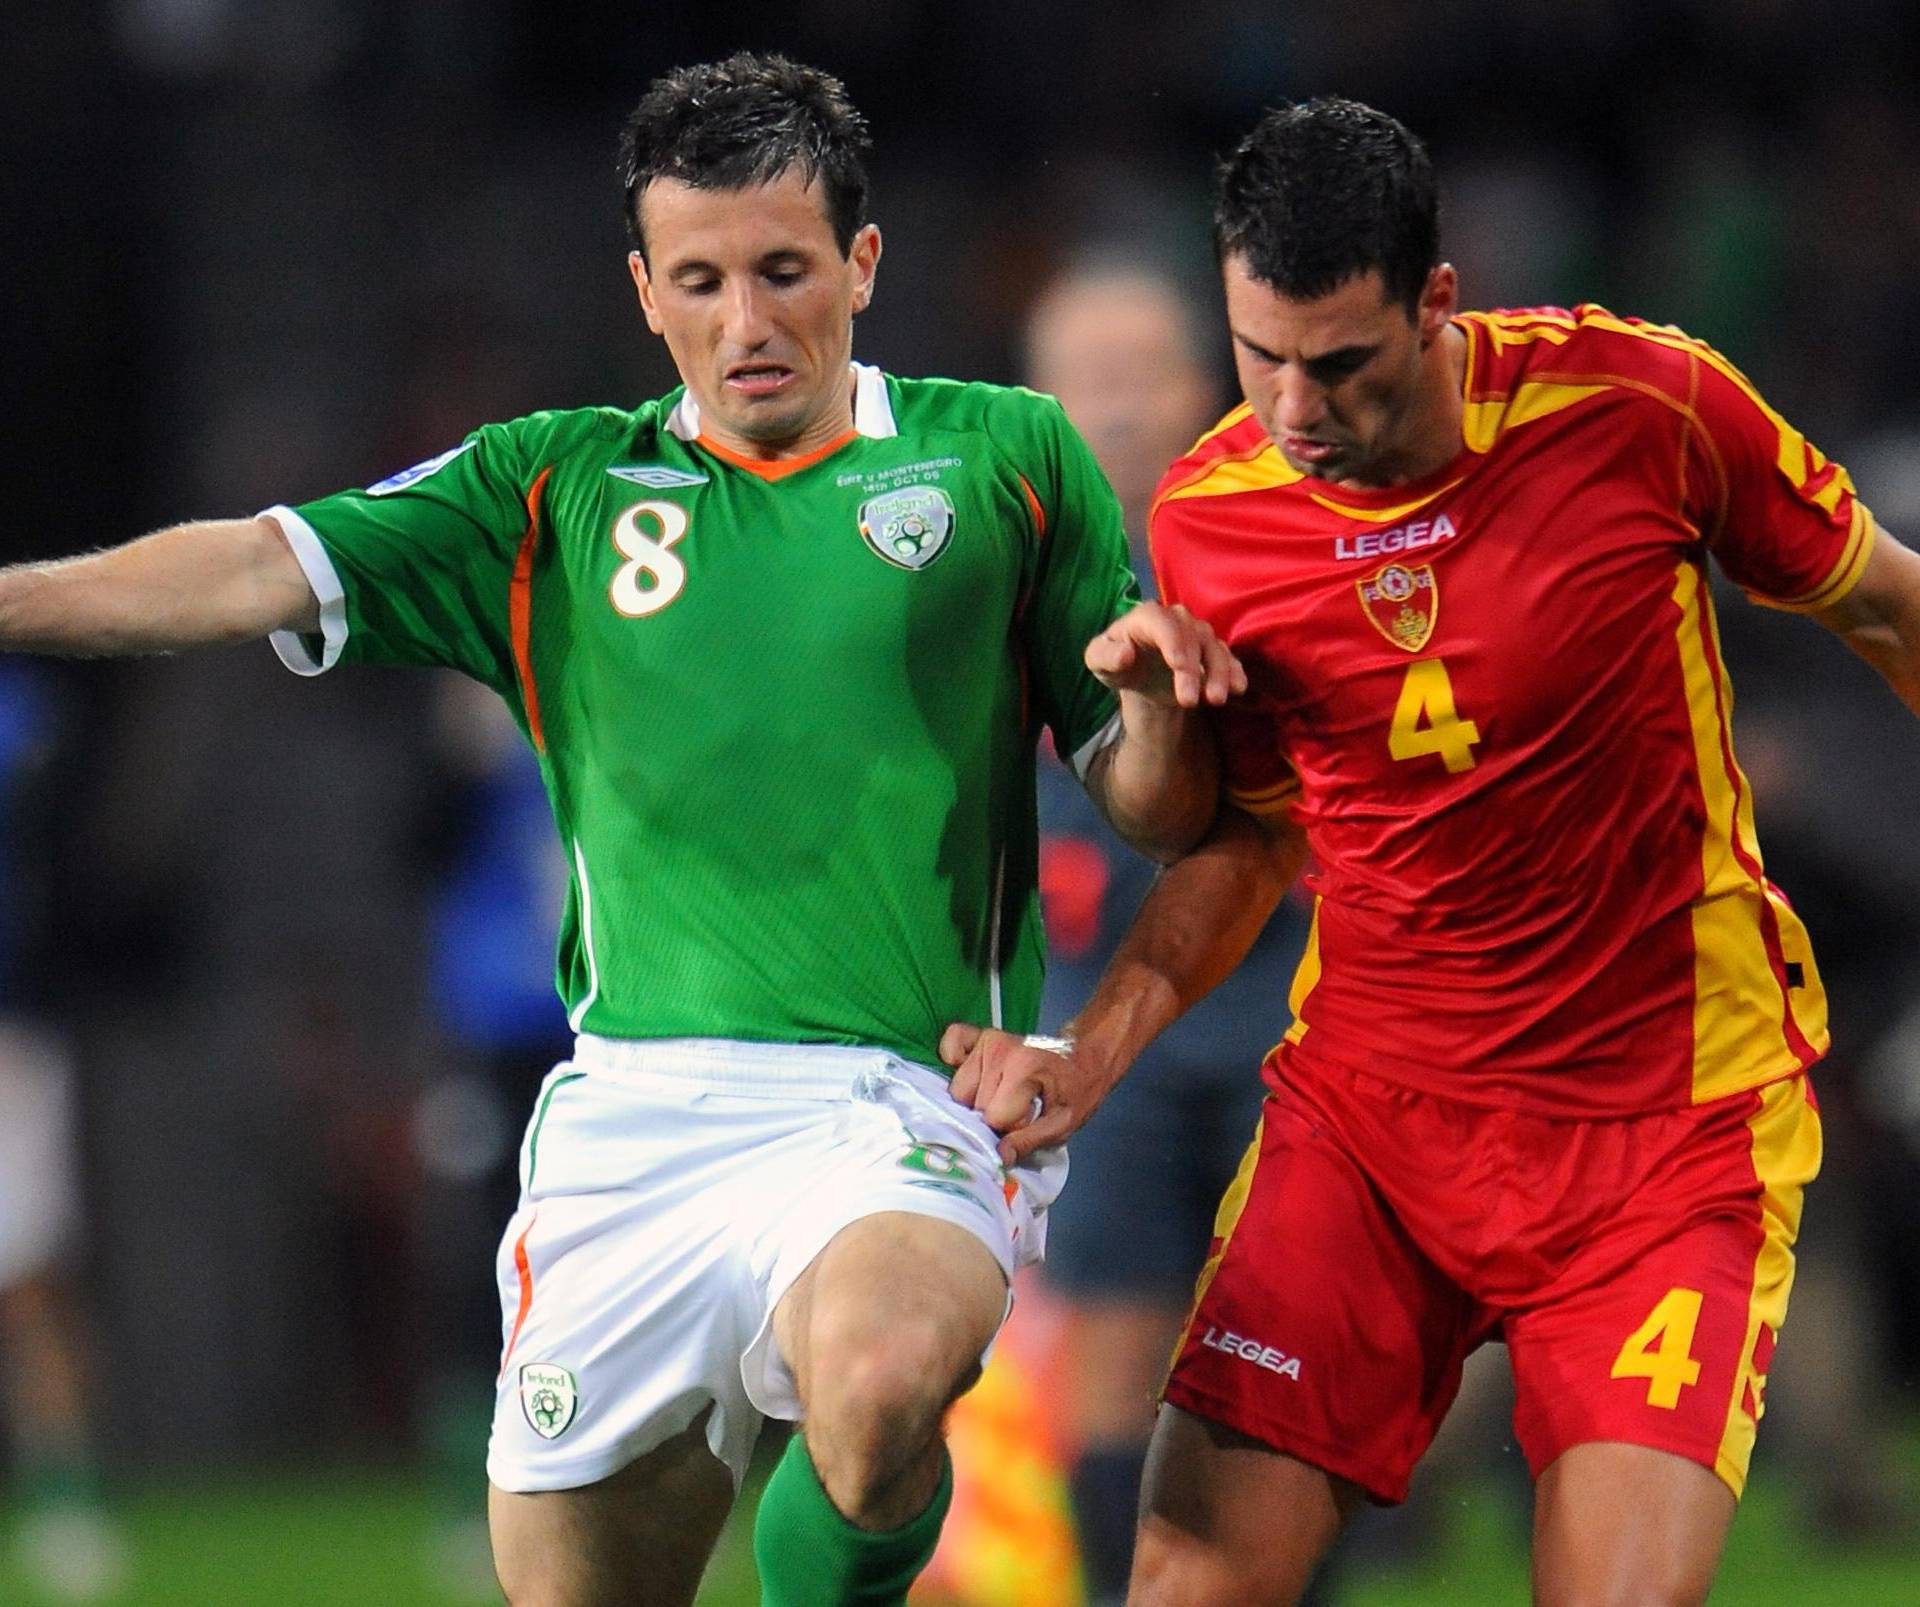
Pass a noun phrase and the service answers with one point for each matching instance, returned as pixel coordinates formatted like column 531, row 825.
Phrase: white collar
column 872, row 407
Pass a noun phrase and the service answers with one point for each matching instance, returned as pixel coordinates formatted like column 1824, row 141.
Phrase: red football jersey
column 1494, row 698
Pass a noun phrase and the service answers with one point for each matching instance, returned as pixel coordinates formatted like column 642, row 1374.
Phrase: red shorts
column 1637, row 1270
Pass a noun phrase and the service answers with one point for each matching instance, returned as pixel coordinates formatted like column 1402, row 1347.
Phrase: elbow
column 1171, row 831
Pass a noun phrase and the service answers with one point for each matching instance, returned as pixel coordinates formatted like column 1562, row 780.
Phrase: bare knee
column 1626, row 1579
column 874, row 1417
column 1618, row 1525
column 1229, row 1522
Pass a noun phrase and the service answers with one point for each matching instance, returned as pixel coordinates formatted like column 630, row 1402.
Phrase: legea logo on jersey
column 549, row 1398
column 1403, row 602
column 1401, row 538
column 407, row 477
column 909, row 527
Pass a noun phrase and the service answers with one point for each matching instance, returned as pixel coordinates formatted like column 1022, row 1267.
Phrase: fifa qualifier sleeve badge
column 549, row 1398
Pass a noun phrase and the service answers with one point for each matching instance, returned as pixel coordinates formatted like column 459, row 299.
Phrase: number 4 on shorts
column 1660, row 1350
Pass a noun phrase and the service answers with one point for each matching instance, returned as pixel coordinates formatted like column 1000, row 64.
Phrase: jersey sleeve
column 418, row 568
column 1255, row 773
column 1082, row 580
column 1782, row 519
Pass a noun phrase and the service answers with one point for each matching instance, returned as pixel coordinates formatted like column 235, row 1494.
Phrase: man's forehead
column 1356, row 312
column 786, row 204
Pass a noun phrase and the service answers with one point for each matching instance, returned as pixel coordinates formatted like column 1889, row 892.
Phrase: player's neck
column 1437, row 413
column 820, row 434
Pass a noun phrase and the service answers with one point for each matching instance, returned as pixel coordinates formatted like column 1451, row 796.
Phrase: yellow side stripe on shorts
column 1226, row 1219
column 1786, row 1156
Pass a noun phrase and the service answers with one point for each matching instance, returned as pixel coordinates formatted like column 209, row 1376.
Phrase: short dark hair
column 727, row 125
column 1324, row 190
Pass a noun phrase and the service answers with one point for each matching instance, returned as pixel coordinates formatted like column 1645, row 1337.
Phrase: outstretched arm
column 1194, row 928
column 194, row 585
column 1159, row 785
column 1880, row 618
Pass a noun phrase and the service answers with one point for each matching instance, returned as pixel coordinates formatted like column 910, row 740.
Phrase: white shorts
column 39, row 1187
column 671, row 1192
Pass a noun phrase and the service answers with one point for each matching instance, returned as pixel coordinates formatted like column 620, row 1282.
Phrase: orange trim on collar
column 774, row 468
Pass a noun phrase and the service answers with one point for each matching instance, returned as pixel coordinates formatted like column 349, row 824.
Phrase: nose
column 1299, row 403
column 746, row 322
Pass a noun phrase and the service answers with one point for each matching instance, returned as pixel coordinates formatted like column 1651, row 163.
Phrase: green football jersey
column 786, row 713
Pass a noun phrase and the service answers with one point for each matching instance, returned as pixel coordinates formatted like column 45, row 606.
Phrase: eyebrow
column 780, row 256
column 1340, row 356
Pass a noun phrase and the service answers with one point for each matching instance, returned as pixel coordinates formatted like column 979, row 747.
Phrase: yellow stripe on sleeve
column 1844, row 575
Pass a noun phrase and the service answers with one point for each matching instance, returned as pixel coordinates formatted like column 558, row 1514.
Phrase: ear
column 637, row 266
column 865, row 257
column 1439, row 300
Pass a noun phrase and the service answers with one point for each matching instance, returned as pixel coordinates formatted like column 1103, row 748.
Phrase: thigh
column 39, row 1194
column 625, row 1299
column 1615, row 1522
column 643, row 1533
column 1319, row 1328
column 1660, row 1330
column 907, row 1212
column 1227, row 1521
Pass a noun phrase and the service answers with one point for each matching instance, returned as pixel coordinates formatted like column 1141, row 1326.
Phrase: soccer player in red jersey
column 1546, row 1082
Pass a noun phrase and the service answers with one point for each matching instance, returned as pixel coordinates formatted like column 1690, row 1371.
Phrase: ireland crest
column 909, row 527
column 548, row 1397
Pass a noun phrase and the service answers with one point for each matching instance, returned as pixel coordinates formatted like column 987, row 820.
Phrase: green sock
column 811, row 1556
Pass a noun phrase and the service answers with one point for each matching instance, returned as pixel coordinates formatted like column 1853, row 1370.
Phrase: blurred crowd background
column 256, row 250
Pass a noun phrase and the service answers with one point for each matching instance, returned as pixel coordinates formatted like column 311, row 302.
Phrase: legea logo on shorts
column 549, row 1398
column 1275, row 1361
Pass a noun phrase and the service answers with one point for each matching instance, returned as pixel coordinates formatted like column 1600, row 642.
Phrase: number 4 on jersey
column 1425, row 721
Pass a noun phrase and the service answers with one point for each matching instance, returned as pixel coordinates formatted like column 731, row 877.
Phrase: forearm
column 1895, row 653
column 1159, row 785
column 1202, row 916
column 189, row 586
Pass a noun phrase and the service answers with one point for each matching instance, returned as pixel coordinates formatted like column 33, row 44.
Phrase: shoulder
column 1234, row 456
column 548, row 436
column 1529, row 363
column 1514, row 347
column 1010, row 415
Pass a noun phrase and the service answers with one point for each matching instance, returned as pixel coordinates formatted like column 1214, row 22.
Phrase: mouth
column 1304, row 449
column 758, row 378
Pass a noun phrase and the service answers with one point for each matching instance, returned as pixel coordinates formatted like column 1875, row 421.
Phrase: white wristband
column 1053, row 1045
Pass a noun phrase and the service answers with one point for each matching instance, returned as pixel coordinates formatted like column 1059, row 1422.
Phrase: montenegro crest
column 549, row 1398
column 909, row 527
column 1403, row 601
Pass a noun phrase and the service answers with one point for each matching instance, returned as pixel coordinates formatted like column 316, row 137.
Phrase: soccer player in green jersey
column 782, row 641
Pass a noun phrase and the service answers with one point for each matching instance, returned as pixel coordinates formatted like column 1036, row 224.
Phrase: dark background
column 253, row 252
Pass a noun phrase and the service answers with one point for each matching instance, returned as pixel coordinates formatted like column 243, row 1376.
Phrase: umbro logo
column 656, row 476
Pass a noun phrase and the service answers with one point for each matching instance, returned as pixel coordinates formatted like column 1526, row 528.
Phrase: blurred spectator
column 1124, row 348
column 493, row 918
column 64, row 1539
